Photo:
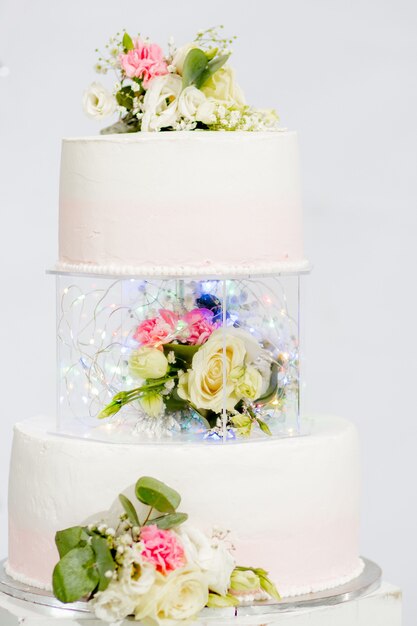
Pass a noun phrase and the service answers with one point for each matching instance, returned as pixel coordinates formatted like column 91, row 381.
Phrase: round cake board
column 368, row 581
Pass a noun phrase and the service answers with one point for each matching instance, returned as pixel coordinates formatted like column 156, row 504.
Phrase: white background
column 343, row 74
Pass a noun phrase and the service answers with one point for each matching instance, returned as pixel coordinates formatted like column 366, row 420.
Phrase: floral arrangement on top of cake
column 153, row 568
column 191, row 361
column 189, row 88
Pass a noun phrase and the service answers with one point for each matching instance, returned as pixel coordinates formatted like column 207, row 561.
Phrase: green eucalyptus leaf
column 212, row 67
column 104, row 560
column 171, row 520
column 129, row 510
column 268, row 586
column 129, row 124
column 75, row 575
column 216, row 601
column 69, row 539
column 125, row 97
column 183, row 353
column 127, row 42
column 156, row 494
column 194, row 65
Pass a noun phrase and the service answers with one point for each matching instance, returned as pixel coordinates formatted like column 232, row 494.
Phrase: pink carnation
column 145, row 61
column 162, row 548
column 200, row 326
column 157, row 330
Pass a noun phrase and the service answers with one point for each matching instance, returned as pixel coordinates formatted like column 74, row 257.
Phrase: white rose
column 223, row 88
column 148, row 362
column 136, row 578
column 211, row 555
column 178, row 598
column 180, row 56
column 189, row 102
column 98, row 102
column 113, row 604
column 202, row 385
column 206, row 112
column 161, row 102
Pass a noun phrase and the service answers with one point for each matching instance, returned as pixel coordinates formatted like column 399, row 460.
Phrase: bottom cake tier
column 292, row 505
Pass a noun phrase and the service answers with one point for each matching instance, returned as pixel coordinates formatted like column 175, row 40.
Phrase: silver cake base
column 365, row 583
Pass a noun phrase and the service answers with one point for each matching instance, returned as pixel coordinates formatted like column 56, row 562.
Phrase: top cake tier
column 181, row 204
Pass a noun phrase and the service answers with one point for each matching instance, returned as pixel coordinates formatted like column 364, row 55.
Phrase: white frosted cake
column 292, row 504
column 179, row 363
column 124, row 200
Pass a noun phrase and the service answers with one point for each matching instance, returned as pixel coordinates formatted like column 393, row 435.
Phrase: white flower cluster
column 167, row 99
column 138, row 589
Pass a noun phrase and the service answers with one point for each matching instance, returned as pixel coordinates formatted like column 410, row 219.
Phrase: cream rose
column 223, row 88
column 180, row 597
column 161, row 102
column 202, row 385
column 211, row 555
column 189, row 102
column 148, row 362
column 98, row 102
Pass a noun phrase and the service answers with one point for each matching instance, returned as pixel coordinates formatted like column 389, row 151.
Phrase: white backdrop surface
column 340, row 72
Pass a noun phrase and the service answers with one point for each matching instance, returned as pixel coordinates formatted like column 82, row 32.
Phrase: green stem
column 148, row 516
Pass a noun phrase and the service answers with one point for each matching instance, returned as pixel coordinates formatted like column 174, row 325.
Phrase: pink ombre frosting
column 307, row 536
column 181, row 204
column 162, row 548
column 145, row 60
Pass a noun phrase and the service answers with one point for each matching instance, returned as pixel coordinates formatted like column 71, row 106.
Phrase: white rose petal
column 189, row 102
column 206, row 112
column 113, row 604
column 98, row 102
column 212, row 556
column 161, row 102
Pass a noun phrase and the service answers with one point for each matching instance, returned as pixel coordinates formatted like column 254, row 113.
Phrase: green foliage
column 183, row 353
column 103, row 560
column 127, row 42
column 125, row 97
column 212, row 67
column 129, row 510
column 216, row 601
column 263, row 426
column 70, row 538
column 171, row 520
column 157, row 495
column 272, row 388
column 195, row 64
column 266, row 584
column 75, row 575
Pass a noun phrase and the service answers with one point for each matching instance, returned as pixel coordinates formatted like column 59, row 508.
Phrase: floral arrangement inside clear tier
column 191, row 87
column 178, row 359
column 145, row 560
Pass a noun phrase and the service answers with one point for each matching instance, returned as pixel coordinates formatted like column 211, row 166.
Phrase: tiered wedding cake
column 178, row 325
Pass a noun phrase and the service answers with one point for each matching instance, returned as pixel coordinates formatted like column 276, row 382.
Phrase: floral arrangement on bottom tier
column 191, row 362
column 160, row 570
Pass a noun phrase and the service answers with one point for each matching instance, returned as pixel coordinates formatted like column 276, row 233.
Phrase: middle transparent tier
column 178, row 359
